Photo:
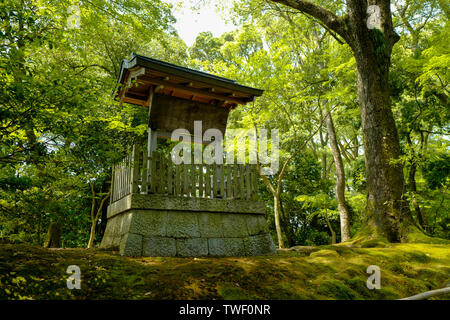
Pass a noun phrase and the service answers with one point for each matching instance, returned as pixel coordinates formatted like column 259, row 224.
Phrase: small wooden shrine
column 158, row 208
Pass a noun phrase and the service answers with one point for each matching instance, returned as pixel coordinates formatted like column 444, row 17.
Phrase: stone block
column 192, row 247
column 106, row 241
column 258, row 245
column 108, row 232
column 116, row 225
column 159, row 247
column 210, row 225
column 111, row 226
column 182, row 225
column 123, row 223
column 117, row 240
column 226, row 247
column 234, row 225
column 148, row 223
column 131, row 245
column 256, row 224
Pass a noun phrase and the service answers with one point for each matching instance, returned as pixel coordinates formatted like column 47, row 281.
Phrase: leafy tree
column 372, row 48
column 59, row 126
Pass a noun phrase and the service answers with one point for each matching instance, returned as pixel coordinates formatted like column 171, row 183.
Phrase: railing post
column 169, row 176
column 152, row 161
column 241, row 180
column 254, row 183
column 236, row 191
column 120, row 180
column 144, row 188
column 162, row 174
column 248, row 179
column 208, row 181
column 229, row 182
column 191, row 180
column 185, row 180
column 215, row 176
column 135, row 169
column 222, row 181
column 129, row 170
column 200, row 180
column 111, row 199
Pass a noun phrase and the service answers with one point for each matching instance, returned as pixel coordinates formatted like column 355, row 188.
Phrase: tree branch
column 328, row 18
column 93, row 200
column 428, row 294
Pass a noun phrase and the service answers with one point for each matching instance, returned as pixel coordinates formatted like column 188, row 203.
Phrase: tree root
column 428, row 294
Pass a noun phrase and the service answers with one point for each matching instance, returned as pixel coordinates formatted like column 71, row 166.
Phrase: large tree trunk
column 387, row 213
column 53, row 239
column 386, row 208
column 340, row 180
column 285, row 224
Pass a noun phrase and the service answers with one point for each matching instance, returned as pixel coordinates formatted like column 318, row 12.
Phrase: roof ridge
column 169, row 64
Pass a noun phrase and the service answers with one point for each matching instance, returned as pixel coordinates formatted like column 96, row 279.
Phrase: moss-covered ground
column 327, row 272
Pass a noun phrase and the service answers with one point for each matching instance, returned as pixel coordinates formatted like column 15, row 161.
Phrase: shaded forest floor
column 326, row 272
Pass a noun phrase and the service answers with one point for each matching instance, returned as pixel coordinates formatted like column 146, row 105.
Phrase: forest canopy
column 347, row 160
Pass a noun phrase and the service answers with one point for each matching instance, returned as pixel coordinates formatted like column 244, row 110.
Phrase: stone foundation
column 155, row 225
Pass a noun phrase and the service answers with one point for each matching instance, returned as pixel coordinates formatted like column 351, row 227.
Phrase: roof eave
column 187, row 73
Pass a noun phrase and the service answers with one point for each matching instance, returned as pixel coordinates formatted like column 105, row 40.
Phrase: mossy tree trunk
column 95, row 215
column 53, row 239
column 387, row 213
column 287, row 228
column 386, row 208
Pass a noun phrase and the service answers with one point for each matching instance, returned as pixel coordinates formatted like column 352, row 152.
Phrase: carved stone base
column 155, row 225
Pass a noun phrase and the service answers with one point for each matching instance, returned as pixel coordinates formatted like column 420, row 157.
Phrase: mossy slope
column 329, row 272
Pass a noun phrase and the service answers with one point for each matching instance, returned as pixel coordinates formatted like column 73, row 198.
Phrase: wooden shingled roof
column 172, row 80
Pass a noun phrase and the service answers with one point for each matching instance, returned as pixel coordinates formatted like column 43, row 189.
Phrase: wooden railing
column 121, row 179
column 138, row 173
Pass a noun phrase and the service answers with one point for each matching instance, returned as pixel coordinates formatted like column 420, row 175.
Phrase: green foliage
column 61, row 130
column 437, row 172
column 419, row 84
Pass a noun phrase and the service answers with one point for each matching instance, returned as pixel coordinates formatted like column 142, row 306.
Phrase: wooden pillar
column 152, row 134
column 113, row 187
column 135, row 169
